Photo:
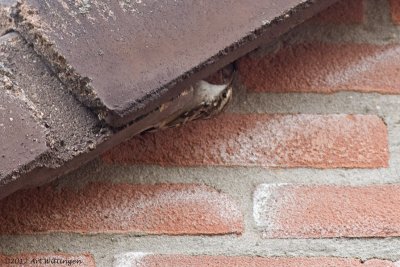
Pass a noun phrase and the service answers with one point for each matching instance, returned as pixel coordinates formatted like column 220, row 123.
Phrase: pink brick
column 342, row 12
column 395, row 10
column 173, row 209
column 317, row 141
column 324, row 68
column 153, row 260
column 323, row 211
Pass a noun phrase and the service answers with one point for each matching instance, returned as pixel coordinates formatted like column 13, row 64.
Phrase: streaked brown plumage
column 203, row 100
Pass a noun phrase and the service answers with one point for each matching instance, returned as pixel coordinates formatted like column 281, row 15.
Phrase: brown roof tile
column 122, row 62
column 122, row 58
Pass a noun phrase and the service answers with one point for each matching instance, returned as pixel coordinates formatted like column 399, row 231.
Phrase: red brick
column 343, row 12
column 318, row 211
column 172, row 209
column 318, row 141
column 149, row 260
column 324, row 68
column 395, row 10
column 46, row 259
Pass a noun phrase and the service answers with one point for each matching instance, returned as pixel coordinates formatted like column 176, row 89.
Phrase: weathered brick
column 343, row 12
column 319, row 211
column 395, row 10
column 121, row 208
column 149, row 260
column 324, row 68
column 46, row 259
column 318, row 141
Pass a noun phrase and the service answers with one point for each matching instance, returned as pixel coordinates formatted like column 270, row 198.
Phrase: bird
column 202, row 100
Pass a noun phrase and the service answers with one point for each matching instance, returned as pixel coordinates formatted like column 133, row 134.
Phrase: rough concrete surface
column 26, row 137
column 69, row 129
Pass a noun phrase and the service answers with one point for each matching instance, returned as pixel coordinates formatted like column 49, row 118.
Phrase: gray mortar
column 241, row 182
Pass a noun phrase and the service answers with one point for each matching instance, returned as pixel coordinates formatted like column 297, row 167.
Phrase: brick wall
column 301, row 170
